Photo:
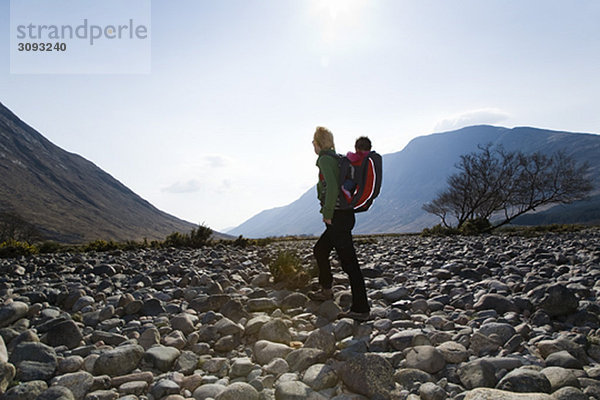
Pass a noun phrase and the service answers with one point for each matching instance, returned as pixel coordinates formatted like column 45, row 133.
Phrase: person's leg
column 322, row 250
column 344, row 246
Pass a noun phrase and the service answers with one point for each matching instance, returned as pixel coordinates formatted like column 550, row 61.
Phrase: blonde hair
column 324, row 138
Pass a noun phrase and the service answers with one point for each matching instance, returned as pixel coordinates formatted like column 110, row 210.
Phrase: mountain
column 415, row 175
column 68, row 198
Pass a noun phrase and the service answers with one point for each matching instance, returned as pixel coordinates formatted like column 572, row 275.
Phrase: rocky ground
column 452, row 318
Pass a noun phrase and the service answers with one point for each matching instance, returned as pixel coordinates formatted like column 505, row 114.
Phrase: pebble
column 489, row 317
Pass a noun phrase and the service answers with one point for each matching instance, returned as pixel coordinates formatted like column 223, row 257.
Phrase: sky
column 214, row 123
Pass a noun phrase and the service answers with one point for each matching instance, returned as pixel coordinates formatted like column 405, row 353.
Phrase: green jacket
column 328, row 187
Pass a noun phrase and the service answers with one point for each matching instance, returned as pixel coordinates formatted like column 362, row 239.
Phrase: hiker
column 338, row 231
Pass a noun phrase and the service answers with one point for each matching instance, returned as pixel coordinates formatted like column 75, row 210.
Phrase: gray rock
column 368, row 374
column 408, row 338
column 265, row 351
column 225, row 326
column 425, row 358
column 560, row 377
column 431, row 391
column 563, row 359
column 79, row 383
column 183, row 322
column 453, row 352
column 66, row 333
column 292, row 390
column 547, row 347
column 208, row 391
column 502, row 330
column 163, row 388
column 70, row 364
column 149, row 338
column 187, row 362
column 237, row 391
column 494, row 301
column 495, row 394
column 301, row 359
column 241, row 367
column 56, row 393
column 102, row 395
column 525, row 380
column 7, row 374
column 275, row 331
column 12, row 312
column 407, row 377
column 320, row 376
column 162, row 357
column 261, row 305
column 3, row 351
column 119, row 361
column 477, row 373
column 34, row 361
column 294, row 300
column 569, row 393
column 277, row 366
column 25, row 391
column 554, row 298
column 322, row 340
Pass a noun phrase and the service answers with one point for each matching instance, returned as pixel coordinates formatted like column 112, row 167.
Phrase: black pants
column 338, row 235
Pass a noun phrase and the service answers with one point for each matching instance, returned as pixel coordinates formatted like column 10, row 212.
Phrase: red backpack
column 360, row 184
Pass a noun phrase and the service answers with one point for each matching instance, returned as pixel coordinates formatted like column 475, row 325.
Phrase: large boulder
column 119, row 361
column 369, row 374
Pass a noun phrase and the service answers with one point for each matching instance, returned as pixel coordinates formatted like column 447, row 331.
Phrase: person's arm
column 329, row 168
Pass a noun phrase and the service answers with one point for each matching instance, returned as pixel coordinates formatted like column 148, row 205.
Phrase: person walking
column 338, row 231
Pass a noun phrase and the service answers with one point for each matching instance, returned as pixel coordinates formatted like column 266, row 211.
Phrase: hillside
column 414, row 176
column 68, row 198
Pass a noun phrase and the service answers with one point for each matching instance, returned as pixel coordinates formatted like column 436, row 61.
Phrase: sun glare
column 338, row 17
column 335, row 9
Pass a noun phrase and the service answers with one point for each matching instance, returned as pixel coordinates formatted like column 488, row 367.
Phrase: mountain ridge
column 67, row 197
column 416, row 174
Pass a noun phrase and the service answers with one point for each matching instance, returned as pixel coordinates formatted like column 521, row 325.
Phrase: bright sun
column 336, row 9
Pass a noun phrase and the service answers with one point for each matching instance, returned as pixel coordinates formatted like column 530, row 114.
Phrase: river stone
column 408, row 338
column 277, row 367
column 65, row 333
column 34, row 361
column 563, row 359
column 554, row 298
column 294, row 300
column 453, row 352
column 547, row 347
column 275, row 331
column 477, row 373
column 149, row 338
column 162, row 357
column 240, row 367
column 502, row 330
column 560, row 377
column 12, row 312
column 292, row 390
column 322, row 340
column 320, row 376
column 495, row 394
column 183, row 322
column 79, row 383
column 119, row 361
column 525, row 380
column 25, row 391
column 569, row 393
column 368, row 374
column 494, row 301
column 431, row 391
column 3, row 351
column 56, row 393
column 265, row 351
column 425, row 358
column 7, row 374
column 163, row 388
column 407, row 377
column 237, row 391
column 301, row 359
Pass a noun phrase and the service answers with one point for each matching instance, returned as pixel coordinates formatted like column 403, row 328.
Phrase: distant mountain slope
column 416, row 174
column 67, row 197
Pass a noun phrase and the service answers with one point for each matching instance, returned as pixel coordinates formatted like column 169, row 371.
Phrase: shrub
column 13, row 248
column 49, row 247
column 439, row 230
column 287, row 268
column 475, row 226
column 195, row 239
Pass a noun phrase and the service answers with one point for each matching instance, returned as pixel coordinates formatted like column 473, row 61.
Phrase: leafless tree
column 495, row 182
